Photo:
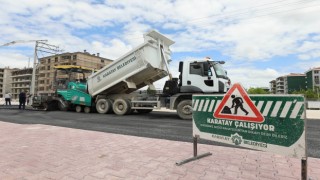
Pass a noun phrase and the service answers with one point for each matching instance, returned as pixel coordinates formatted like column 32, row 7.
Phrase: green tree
column 309, row 93
column 257, row 91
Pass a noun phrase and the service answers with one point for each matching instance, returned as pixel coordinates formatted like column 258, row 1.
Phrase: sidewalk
column 49, row 152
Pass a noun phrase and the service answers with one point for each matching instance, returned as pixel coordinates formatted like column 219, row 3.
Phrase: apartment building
column 273, row 87
column 5, row 81
column 312, row 78
column 45, row 70
column 289, row 83
column 20, row 81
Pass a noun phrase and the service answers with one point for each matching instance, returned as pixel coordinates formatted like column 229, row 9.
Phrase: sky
column 258, row 40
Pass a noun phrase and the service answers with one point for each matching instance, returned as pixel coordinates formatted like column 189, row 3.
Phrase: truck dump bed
column 141, row 66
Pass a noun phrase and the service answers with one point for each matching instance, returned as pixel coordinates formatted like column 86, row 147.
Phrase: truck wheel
column 78, row 108
column 45, row 106
column 184, row 109
column 104, row 106
column 121, row 107
column 87, row 109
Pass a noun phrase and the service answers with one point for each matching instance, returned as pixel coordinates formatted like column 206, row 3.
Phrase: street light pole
column 33, row 79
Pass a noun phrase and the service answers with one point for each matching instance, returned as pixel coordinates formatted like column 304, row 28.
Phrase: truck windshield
column 220, row 72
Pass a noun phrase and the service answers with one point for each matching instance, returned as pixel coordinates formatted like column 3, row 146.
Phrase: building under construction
column 45, row 71
column 20, row 81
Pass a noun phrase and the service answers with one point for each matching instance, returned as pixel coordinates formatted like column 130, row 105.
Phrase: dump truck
column 113, row 88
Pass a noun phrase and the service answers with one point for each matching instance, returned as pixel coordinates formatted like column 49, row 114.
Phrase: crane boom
column 22, row 41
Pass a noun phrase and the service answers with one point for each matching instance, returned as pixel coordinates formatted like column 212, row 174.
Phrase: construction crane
column 41, row 46
column 22, row 41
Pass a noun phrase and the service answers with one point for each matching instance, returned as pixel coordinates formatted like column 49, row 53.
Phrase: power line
column 248, row 18
column 276, row 5
column 263, row 15
column 266, row 10
column 228, row 18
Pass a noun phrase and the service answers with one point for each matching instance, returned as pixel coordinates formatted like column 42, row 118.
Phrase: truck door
column 199, row 78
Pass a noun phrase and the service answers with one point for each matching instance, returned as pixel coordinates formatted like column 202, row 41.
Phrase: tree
column 309, row 93
column 257, row 91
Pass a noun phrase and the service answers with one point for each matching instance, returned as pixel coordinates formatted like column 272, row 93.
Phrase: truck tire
column 86, row 109
column 46, row 106
column 184, row 109
column 104, row 106
column 121, row 107
column 78, row 109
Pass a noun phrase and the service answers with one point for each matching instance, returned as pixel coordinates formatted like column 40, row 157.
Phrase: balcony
column 21, row 75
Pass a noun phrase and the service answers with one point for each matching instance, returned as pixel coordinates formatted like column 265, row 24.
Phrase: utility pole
column 40, row 46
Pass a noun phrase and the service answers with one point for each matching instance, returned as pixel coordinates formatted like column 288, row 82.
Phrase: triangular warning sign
column 237, row 105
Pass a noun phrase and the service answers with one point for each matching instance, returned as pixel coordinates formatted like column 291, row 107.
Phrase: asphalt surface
column 161, row 125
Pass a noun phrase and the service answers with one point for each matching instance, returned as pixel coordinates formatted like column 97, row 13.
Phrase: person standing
column 7, row 97
column 22, row 100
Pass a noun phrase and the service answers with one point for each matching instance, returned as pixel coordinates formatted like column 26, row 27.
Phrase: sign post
column 195, row 153
column 272, row 123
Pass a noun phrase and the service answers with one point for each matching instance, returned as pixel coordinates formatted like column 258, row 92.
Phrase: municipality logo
column 236, row 139
column 99, row 78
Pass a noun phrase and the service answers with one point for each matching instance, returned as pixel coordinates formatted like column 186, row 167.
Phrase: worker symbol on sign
column 234, row 99
column 236, row 103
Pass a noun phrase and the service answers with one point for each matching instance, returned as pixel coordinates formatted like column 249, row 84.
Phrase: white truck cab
column 203, row 76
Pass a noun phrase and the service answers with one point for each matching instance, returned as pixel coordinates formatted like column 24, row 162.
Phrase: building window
column 56, row 59
column 49, row 60
column 48, row 68
column 65, row 57
column 74, row 63
column 316, row 71
column 102, row 61
column 74, row 57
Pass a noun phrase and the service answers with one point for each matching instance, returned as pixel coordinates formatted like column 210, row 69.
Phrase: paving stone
column 47, row 152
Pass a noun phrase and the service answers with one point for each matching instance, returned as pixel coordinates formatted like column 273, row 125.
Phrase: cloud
column 114, row 49
column 243, row 31
column 253, row 77
column 15, row 60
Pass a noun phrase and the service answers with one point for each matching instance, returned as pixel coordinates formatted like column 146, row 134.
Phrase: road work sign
column 273, row 123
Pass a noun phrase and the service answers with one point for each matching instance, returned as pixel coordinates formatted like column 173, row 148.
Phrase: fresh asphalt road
column 163, row 125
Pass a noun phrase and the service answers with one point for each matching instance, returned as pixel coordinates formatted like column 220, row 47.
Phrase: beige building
column 273, row 87
column 5, row 81
column 45, row 71
column 20, row 81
